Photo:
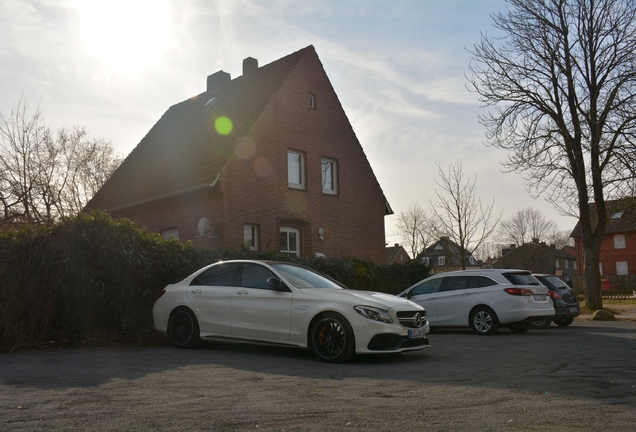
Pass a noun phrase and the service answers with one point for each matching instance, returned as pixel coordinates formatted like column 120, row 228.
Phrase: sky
column 398, row 67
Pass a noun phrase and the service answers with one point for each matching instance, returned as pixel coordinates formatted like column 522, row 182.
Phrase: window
column 424, row 260
column 312, row 101
column 296, row 170
column 441, row 260
column 290, row 241
column 574, row 265
column 618, row 215
column 458, row 283
column 484, row 281
column 329, row 176
column 556, row 263
column 250, row 236
column 219, row 275
column 170, row 233
column 622, row 268
column 567, row 264
column 428, row 287
column 619, row 241
column 255, row 276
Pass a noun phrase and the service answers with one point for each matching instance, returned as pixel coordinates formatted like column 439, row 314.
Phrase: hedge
column 94, row 278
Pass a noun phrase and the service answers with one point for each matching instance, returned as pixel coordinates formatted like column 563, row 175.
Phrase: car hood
column 354, row 297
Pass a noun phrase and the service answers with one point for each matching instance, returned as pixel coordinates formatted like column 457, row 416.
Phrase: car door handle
column 196, row 291
column 242, row 292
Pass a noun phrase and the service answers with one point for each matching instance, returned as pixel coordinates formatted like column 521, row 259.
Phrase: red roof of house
column 183, row 150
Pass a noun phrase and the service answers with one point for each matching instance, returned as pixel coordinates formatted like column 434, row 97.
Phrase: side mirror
column 276, row 284
column 409, row 294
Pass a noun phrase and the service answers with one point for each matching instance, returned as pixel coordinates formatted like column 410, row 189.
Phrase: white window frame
column 329, row 173
column 168, row 233
column 288, row 250
column 622, row 268
column 295, row 169
column 567, row 264
column 556, row 263
column 619, row 241
column 441, row 260
column 250, row 236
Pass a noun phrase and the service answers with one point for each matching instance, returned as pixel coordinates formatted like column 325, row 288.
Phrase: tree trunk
column 593, row 297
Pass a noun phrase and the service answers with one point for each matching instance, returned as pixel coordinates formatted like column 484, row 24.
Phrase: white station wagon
column 483, row 299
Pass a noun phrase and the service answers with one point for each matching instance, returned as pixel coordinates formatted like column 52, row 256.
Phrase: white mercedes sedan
column 287, row 304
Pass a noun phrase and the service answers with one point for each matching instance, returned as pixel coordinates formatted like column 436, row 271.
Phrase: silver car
column 483, row 299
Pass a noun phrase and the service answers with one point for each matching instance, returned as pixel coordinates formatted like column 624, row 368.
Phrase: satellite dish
column 205, row 229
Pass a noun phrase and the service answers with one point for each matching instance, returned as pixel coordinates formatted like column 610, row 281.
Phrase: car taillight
column 555, row 295
column 519, row 291
column 160, row 293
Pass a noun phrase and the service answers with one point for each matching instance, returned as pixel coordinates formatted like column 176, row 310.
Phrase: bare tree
column 44, row 175
column 414, row 228
column 561, row 85
column 458, row 214
column 527, row 225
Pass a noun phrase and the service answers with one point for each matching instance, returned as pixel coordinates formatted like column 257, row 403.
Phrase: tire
column 542, row 324
column 183, row 328
column 484, row 321
column 520, row 327
column 564, row 322
column 331, row 338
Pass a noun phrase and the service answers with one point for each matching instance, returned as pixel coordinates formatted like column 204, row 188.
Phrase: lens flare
column 223, row 125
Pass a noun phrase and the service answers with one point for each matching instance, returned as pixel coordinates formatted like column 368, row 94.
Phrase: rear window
column 521, row 278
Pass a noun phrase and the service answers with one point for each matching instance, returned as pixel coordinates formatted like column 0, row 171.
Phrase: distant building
column 396, row 254
column 445, row 255
column 618, row 248
column 538, row 258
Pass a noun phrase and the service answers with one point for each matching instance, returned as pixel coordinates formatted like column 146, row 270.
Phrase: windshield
column 302, row 277
column 553, row 282
column 521, row 278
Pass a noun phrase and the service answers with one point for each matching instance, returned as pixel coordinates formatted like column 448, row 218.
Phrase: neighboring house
column 538, row 258
column 268, row 160
column 445, row 255
column 618, row 248
column 396, row 254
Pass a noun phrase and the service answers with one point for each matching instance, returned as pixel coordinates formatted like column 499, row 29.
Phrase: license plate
column 540, row 297
column 418, row 333
column 574, row 309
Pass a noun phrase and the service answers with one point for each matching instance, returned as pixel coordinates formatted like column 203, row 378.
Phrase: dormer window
column 312, row 101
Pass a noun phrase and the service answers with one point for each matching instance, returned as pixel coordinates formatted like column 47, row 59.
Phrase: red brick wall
column 255, row 185
column 610, row 256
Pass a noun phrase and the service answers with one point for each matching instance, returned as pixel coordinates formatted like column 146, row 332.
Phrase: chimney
column 217, row 81
column 250, row 65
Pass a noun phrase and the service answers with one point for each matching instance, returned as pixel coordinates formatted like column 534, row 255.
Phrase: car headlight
column 374, row 314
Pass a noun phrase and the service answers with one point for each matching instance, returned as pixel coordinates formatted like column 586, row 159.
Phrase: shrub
column 93, row 277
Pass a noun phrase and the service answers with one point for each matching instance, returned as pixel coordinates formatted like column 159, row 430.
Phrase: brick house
column 618, row 248
column 538, row 258
column 396, row 254
column 268, row 160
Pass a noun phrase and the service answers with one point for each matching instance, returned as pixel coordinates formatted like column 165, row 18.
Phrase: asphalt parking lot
column 582, row 377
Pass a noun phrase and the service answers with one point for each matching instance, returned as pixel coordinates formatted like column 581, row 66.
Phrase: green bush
column 93, row 278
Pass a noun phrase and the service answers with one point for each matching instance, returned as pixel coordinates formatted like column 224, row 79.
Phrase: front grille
column 391, row 342
column 408, row 318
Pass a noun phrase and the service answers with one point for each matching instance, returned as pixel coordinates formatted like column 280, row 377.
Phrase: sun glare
column 125, row 34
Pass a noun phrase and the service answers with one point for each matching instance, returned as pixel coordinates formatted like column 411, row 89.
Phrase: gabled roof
column 183, row 151
column 392, row 251
column 539, row 248
column 621, row 217
column 444, row 246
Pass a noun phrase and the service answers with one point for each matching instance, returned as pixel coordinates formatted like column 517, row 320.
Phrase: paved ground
column 581, row 377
